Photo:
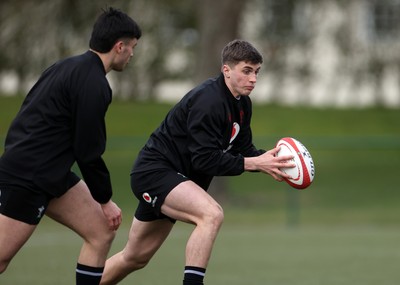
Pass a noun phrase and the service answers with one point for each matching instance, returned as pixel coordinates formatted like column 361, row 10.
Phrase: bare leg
column 77, row 210
column 190, row 203
column 13, row 235
column 145, row 238
column 187, row 202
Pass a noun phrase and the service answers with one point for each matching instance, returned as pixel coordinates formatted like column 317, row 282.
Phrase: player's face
column 124, row 53
column 241, row 78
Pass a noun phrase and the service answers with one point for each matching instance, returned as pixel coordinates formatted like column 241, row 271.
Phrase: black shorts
column 151, row 188
column 24, row 202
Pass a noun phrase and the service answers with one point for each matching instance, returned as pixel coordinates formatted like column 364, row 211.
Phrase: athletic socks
column 87, row 275
column 194, row 275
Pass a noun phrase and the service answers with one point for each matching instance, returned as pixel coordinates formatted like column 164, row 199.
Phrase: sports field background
column 344, row 229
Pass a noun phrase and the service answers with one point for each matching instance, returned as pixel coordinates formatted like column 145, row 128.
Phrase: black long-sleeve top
column 206, row 134
column 62, row 121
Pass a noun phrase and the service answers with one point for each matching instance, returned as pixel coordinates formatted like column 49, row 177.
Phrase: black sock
column 87, row 275
column 194, row 275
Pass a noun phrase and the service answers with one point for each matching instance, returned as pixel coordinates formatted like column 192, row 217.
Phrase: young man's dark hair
column 239, row 50
column 110, row 27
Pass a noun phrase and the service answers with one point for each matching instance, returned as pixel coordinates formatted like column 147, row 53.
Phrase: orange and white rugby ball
column 304, row 171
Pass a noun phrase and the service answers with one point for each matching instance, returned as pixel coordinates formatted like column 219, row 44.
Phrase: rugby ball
column 304, row 171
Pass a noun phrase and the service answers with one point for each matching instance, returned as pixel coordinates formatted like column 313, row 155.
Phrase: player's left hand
column 270, row 164
column 113, row 214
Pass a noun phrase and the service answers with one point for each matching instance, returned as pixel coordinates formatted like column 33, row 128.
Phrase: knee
column 107, row 237
column 102, row 240
column 215, row 216
column 135, row 262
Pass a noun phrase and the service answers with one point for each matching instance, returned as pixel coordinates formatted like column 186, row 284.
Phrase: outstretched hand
column 113, row 214
column 269, row 163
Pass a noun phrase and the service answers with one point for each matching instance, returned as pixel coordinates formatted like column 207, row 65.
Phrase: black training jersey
column 62, row 121
column 206, row 134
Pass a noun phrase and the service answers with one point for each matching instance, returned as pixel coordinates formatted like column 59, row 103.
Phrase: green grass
column 341, row 230
column 244, row 254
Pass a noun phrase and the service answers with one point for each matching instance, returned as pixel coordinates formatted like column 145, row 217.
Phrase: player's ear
column 226, row 70
column 119, row 46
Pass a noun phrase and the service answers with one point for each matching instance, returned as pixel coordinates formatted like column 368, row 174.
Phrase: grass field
column 244, row 254
column 344, row 229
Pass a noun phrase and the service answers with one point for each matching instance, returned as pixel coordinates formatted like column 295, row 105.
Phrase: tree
column 218, row 24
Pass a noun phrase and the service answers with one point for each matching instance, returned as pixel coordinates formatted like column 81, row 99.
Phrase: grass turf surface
column 244, row 254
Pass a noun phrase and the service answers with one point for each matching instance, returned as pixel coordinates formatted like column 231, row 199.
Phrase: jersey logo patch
column 235, row 131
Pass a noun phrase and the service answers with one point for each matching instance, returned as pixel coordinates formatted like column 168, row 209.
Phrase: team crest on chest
column 235, row 131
